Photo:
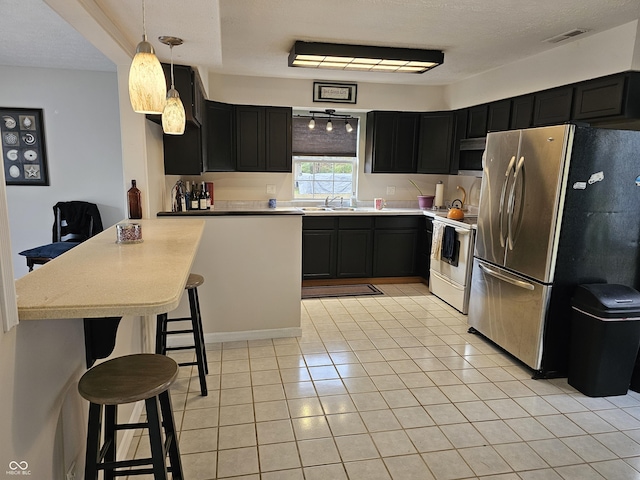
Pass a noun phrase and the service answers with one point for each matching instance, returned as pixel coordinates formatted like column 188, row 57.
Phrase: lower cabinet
column 365, row 246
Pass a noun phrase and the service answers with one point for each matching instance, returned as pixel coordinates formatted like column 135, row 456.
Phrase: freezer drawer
column 509, row 310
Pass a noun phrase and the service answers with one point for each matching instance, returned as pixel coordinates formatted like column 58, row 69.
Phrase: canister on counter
column 128, row 233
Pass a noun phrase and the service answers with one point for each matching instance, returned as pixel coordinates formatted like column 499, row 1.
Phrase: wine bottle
column 207, row 196
column 195, row 201
column 203, row 197
column 187, row 196
column 134, row 201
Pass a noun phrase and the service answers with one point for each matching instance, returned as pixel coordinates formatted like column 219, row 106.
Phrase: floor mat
column 340, row 291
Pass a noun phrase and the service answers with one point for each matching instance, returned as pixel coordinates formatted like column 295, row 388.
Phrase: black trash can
column 605, row 337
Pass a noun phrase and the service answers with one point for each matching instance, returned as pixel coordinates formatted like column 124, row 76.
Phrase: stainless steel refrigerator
column 559, row 207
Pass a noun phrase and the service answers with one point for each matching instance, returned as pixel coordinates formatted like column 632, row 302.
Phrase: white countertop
column 100, row 278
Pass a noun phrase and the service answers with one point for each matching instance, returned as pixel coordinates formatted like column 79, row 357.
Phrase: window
column 324, row 162
column 318, row 177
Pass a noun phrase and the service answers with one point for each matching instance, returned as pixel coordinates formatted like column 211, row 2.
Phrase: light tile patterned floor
column 392, row 387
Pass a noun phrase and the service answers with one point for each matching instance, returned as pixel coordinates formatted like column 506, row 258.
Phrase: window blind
column 319, row 142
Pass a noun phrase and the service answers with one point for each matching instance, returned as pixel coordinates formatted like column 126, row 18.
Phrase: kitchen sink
column 316, row 209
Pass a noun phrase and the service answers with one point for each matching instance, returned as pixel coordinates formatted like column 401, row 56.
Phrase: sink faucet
column 327, row 201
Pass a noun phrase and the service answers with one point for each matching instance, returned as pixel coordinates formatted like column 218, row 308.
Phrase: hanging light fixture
column 312, row 122
column 173, row 116
column 347, row 126
column 147, row 85
column 329, row 125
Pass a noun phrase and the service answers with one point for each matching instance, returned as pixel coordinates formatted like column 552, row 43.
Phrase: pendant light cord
column 144, row 27
column 171, row 50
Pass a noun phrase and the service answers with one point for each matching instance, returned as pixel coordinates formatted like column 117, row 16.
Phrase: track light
column 347, row 126
column 329, row 125
column 312, row 123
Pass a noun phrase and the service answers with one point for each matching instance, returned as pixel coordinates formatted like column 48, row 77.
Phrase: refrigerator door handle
column 505, row 278
column 512, row 201
column 507, row 174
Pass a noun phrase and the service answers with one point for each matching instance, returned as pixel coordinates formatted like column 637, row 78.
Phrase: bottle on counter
column 134, row 201
column 187, row 196
column 207, row 195
column 195, row 200
column 202, row 198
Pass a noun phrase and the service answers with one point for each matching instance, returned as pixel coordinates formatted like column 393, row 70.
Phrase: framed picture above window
column 335, row 92
column 23, row 146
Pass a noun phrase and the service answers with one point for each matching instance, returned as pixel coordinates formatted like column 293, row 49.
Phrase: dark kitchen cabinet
column 319, row 242
column 355, row 245
column 219, row 138
column 608, row 98
column 263, row 138
column 183, row 153
column 477, row 121
column 435, row 142
column 188, row 84
column 395, row 246
column 345, row 246
column 522, row 112
column 552, row 106
column 391, row 142
column 499, row 116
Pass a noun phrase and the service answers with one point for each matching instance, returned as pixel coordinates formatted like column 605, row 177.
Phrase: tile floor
column 392, row 387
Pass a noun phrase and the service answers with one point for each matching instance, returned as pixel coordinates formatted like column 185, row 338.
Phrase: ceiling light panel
column 363, row 58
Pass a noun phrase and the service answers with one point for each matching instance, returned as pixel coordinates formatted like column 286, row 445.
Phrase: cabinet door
column 380, row 146
column 499, row 116
column 435, row 143
column 218, row 146
column 250, row 139
column 354, row 253
column 477, row 126
column 522, row 112
column 406, row 143
column 183, row 153
column 599, row 98
column 553, row 106
column 278, row 139
column 394, row 253
column 318, row 254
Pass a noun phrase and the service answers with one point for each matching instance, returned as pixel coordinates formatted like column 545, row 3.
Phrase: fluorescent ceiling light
column 363, row 58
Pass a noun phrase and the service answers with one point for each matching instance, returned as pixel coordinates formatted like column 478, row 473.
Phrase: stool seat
column 128, row 379
column 194, row 281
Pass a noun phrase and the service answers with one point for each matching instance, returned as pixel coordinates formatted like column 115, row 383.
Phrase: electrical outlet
column 391, row 190
column 271, row 189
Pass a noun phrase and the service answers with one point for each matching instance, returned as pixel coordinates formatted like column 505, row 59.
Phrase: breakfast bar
column 102, row 281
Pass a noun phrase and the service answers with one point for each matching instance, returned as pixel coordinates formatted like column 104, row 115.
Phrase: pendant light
column 173, row 116
column 147, row 85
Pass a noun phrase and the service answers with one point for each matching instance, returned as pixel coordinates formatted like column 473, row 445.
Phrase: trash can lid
column 607, row 300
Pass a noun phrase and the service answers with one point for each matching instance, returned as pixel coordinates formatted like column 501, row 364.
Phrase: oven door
column 459, row 273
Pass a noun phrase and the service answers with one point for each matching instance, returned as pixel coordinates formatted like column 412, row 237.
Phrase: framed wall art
column 23, row 146
column 335, row 92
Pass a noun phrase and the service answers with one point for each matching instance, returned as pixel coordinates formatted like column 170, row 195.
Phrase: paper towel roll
column 439, row 200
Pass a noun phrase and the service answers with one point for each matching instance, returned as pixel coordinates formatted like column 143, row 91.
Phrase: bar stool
column 128, row 379
column 162, row 331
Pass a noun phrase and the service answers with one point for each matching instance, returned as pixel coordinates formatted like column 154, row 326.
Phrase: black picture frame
column 23, row 146
column 335, row 92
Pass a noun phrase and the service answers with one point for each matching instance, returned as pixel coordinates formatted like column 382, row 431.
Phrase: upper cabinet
column 188, row 84
column 608, row 98
column 477, row 121
column 521, row 112
column 552, row 106
column 219, row 137
column 435, row 142
column 499, row 116
column 392, row 142
column 263, row 138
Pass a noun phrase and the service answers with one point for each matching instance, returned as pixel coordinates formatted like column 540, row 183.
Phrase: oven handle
column 462, row 231
column 505, row 278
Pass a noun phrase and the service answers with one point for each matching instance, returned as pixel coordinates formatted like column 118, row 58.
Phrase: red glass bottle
column 135, row 203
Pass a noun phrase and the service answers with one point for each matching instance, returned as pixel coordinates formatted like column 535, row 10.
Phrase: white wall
column 84, row 155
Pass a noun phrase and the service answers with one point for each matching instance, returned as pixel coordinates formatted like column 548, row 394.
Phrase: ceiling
column 253, row 37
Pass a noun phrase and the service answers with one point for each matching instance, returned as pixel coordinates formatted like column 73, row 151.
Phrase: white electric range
column 450, row 274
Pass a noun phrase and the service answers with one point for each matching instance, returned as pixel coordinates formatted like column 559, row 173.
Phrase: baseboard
column 353, row 281
column 218, row 337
